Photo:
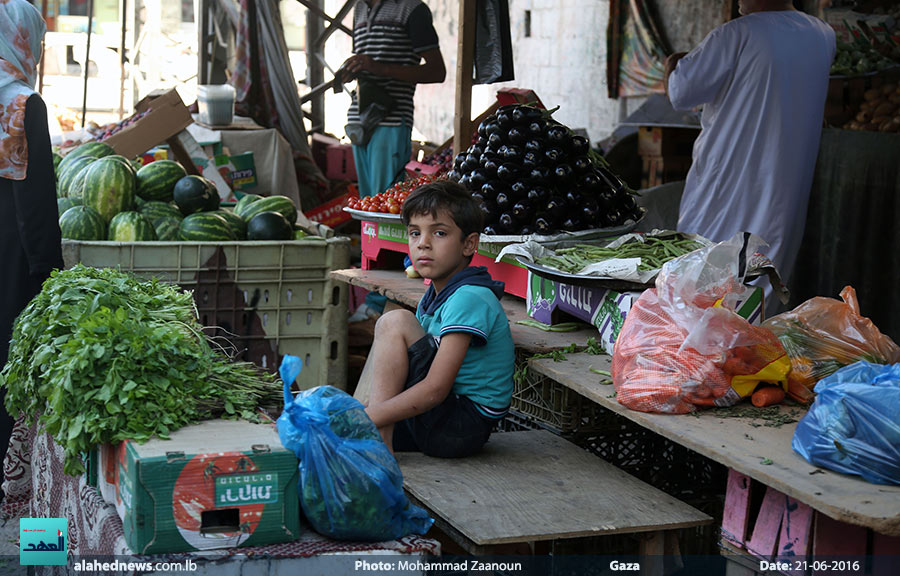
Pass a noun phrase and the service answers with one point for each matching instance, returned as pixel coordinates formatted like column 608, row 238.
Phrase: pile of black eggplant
column 531, row 174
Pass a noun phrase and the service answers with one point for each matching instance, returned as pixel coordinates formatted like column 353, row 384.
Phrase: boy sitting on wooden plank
column 441, row 379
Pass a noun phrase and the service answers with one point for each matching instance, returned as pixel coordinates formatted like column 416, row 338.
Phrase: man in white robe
column 762, row 80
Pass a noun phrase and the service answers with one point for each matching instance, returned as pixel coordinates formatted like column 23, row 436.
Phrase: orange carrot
column 767, row 396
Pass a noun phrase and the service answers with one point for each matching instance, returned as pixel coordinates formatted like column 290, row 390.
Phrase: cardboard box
column 339, row 162
column 332, row 212
column 238, row 170
column 663, row 141
column 167, row 117
column 217, row 484
column 318, row 144
column 662, row 169
column 549, row 302
column 377, row 238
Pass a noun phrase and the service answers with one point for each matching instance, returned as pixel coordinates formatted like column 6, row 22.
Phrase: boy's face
column 437, row 247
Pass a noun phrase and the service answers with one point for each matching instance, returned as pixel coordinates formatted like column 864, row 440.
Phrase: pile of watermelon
column 103, row 196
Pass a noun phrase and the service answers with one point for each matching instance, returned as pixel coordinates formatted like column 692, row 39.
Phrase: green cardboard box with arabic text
column 217, row 484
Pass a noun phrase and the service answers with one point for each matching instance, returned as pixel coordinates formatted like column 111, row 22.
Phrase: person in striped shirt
column 395, row 47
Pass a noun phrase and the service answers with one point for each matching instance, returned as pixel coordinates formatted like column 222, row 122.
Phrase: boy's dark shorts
column 452, row 429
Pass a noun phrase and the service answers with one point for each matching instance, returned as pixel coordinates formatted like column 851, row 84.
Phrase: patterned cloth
column 34, row 476
column 21, row 34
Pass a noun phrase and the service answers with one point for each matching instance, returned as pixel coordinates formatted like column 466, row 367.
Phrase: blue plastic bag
column 350, row 486
column 854, row 424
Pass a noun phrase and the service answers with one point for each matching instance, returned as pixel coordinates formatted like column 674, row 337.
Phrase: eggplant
column 627, row 203
column 454, row 176
column 542, row 225
column 611, row 179
column 516, row 135
column 536, row 129
column 606, row 199
column 479, row 197
column 504, row 120
column 522, row 114
column 508, row 171
column 507, row 108
column 477, row 179
column 523, row 211
column 581, row 165
column 513, row 153
column 563, row 174
column 503, row 201
column 557, row 135
column 539, row 175
column 591, row 183
column 489, row 231
column 525, row 230
column 471, row 163
column 476, row 149
column 556, row 209
column 495, row 141
column 493, row 128
column 458, row 161
column 489, row 164
column 537, row 195
column 506, row 222
column 530, row 160
column 519, row 189
column 553, row 156
column 580, row 145
column 572, row 224
column 574, row 199
column 611, row 218
column 534, row 145
column 482, row 128
column 490, row 189
column 590, row 210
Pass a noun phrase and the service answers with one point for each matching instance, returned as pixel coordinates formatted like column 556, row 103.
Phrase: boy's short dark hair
column 445, row 195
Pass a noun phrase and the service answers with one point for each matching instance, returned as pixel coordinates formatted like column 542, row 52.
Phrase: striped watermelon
column 238, row 226
column 280, row 204
column 204, row 227
column 245, row 200
column 157, row 210
column 67, row 175
column 63, row 204
column 109, row 188
column 167, row 228
column 56, row 160
column 156, row 180
column 131, row 227
column 124, row 161
column 76, row 187
column 92, row 149
column 82, row 223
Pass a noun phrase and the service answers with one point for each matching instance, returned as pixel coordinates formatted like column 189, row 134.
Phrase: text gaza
column 624, row 566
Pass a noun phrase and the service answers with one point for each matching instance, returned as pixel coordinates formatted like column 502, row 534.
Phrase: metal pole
column 315, row 73
column 87, row 61
column 122, row 60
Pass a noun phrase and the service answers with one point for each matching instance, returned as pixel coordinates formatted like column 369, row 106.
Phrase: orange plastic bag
column 823, row 335
column 682, row 346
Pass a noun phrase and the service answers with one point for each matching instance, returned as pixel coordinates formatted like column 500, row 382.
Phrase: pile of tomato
column 390, row 201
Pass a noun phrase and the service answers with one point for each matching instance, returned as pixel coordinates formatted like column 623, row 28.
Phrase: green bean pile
column 654, row 251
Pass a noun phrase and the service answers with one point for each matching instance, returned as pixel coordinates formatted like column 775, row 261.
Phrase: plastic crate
column 267, row 299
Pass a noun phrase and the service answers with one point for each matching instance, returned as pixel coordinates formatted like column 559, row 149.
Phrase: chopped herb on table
column 103, row 356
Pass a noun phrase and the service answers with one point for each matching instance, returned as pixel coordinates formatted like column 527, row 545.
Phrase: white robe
column 762, row 79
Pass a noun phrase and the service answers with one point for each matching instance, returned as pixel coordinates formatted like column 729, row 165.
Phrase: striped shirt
column 395, row 32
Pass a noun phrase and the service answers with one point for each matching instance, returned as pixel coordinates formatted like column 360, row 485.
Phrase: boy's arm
column 432, row 390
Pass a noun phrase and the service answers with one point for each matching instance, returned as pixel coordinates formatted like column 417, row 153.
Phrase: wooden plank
column 396, row 286
column 747, row 446
column 833, row 538
column 885, row 558
column 465, row 58
column 568, row 493
column 768, row 524
column 794, row 540
column 737, row 508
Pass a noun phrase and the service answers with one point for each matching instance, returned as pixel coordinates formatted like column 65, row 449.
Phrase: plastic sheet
column 350, row 486
column 683, row 346
column 853, row 426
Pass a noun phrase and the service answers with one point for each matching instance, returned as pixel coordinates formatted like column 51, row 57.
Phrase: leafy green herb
column 769, row 416
column 766, row 462
column 103, row 356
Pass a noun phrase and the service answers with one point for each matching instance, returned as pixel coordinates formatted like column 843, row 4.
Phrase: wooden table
column 739, row 445
column 408, row 291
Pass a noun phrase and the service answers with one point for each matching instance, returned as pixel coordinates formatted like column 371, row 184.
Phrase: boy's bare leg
column 387, row 365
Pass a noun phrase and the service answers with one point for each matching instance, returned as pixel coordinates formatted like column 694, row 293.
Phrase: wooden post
column 465, row 57
column 87, row 61
column 124, row 4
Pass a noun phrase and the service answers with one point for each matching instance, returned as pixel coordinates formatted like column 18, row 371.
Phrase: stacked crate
column 665, row 153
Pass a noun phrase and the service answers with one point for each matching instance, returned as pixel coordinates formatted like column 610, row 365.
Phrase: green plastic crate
column 267, row 299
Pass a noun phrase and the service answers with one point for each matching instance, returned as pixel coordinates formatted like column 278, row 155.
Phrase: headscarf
column 21, row 33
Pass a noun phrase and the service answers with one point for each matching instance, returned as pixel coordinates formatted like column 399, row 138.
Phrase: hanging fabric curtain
column 265, row 90
column 637, row 52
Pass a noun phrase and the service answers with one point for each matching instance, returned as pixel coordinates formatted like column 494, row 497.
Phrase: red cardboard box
column 339, row 162
column 332, row 212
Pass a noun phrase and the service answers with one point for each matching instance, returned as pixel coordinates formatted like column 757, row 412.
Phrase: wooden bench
column 532, row 487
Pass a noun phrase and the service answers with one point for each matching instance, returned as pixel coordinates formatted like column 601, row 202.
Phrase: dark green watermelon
column 82, row 223
column 195, row 194
column 63, row 204
column 238, row 226
column 269, row 226
column 130, row 227
column 156, row 180
column 205, row 227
